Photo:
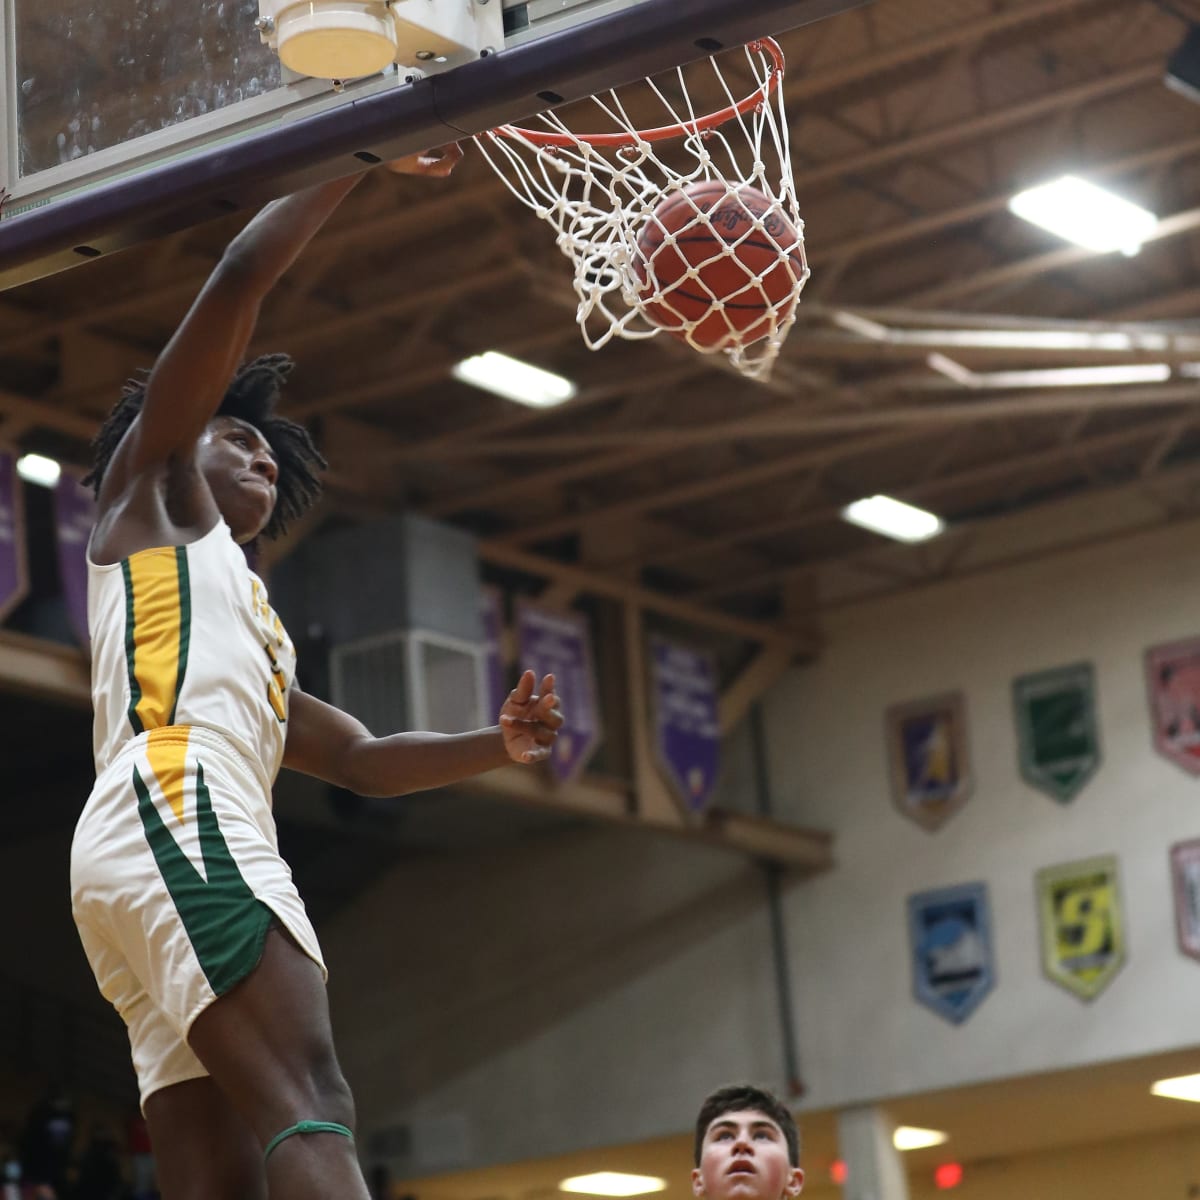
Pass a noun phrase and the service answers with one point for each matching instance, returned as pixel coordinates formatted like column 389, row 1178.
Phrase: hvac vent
column 411, row 680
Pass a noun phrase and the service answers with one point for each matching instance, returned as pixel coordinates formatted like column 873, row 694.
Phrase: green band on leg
column 306, row 1127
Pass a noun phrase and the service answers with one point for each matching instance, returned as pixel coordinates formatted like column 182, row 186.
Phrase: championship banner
column 14, row 566
column 927, row 752
column 1083, row 936
column 74, row 516
column 687, row 730
column 950, row 932
column 491, row 613
column 1185, row 880
column 561, row 643
column 1173, row 682
column 1056, row 729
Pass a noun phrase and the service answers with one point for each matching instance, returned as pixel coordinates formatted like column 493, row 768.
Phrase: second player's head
column 262, row 469
column 746, row 1147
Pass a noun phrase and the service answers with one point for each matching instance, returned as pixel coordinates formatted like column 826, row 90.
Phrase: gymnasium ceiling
column 668, row 477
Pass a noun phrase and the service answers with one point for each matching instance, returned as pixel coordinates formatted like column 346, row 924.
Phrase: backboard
column 130, row 119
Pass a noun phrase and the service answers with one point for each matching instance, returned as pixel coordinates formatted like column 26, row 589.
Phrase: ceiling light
column 514, row 380
column 1088, row 215
column 909, row 1137
column 612, row 1183
column 894, row 519
column 1116, row 375
column 36, row 468
column 1182, row 1087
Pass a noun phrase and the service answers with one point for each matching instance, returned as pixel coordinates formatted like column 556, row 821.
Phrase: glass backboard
column 132, row 118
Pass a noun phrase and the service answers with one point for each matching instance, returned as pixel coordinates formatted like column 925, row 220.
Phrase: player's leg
column 203, row 1149
column 268, row 1046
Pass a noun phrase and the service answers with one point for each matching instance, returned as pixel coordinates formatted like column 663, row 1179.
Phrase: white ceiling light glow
column 613, row 1183
column 909, row 1137
column 893, row 518
column 514, row 380
column 36, row 468
column 1181, row 1087
column 1086, row 214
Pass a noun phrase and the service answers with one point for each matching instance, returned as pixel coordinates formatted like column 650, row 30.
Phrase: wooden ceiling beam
column 956, row 33
column 706, row 488
column 977, row 210
column 514, row 418
column 779, row 423
column 1005, row 117
column 1008, row 468
column 601, row 583
column 972, row 283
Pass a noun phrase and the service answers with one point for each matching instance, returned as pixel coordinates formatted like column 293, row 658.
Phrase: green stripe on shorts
column 225, row 921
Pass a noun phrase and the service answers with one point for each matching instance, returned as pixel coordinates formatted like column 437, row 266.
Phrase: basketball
column 719, row 266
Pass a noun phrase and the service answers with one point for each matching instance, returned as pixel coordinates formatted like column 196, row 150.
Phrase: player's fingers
column 443, row 159
column 537, row 754
column 524, row 689
column 547, row 687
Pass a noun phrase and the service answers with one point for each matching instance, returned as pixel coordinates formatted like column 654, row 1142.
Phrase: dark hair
column 251, row 396
column 743, row 1097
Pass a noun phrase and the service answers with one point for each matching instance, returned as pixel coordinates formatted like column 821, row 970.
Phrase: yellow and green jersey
column 184, row 635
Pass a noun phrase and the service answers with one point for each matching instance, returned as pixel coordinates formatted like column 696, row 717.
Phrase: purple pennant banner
column 74, row 516
column 560, row 643
column 491, row 612
column 14, row 577
column 687, row 731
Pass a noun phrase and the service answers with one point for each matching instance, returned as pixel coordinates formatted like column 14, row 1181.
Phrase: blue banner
column 950, row 931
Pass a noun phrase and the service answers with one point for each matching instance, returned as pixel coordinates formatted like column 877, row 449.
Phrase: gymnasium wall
column 587, row 988
column 862, row 1034
column 579, row 990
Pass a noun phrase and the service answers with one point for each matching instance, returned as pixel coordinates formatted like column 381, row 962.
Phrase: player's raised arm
column 188, row 381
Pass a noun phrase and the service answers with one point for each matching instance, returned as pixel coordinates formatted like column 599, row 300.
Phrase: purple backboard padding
column 276, row 160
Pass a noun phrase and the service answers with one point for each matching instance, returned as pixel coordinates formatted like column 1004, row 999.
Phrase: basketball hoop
column 725, row 168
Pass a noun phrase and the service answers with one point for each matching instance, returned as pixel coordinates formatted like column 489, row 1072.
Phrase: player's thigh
column 268, row 1043
column 203, row 1148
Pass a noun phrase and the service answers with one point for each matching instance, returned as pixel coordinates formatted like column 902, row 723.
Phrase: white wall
column 581, row 989
column 862, row 1034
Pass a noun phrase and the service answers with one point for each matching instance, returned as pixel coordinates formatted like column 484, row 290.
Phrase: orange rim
column 663, row 133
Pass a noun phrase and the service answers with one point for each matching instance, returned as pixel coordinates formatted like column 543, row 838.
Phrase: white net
column 680, row 214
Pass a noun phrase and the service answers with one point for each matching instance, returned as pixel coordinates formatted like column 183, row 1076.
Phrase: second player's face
column 241, row 473
column 744, row 1156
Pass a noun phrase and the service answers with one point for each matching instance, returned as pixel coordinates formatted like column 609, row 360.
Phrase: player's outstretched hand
column 530, row 720
column 439, row 161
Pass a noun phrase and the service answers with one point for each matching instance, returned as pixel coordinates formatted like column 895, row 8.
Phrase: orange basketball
column 719, row 266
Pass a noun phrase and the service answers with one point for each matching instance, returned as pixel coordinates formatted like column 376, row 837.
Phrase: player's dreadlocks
column 251, row 396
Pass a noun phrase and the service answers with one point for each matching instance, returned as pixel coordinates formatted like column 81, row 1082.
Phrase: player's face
column 241, row 473
column 744, row 1156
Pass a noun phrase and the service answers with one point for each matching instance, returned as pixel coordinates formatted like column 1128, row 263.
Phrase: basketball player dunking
column 187, row 913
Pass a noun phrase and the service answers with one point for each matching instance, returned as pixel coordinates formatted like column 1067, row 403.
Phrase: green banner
column 1056, row 729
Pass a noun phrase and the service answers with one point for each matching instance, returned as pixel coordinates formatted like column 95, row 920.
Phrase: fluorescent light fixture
column 36, row 468
column 1182, row 1087
column 1116, row 375
column 613, row 1183
column 1088, row 215
column 514, row 380
column 894, row 519
column 909, row 1137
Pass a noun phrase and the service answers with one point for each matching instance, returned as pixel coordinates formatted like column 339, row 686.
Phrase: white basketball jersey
column 183, row 635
